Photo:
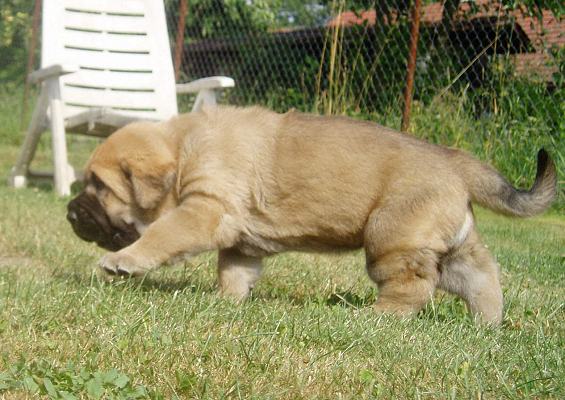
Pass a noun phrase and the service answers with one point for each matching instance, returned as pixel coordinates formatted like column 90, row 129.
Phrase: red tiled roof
column 543, row 35
column 550, row 32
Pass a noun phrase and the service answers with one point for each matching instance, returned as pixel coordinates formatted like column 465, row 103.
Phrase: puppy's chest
column 261, row 240
column 255, row 246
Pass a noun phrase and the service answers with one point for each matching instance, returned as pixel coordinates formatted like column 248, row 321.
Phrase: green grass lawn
column 307, row 333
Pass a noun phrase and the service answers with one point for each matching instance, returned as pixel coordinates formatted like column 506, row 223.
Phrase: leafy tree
column 217, row 18
column 15, row 26
column 301, row 13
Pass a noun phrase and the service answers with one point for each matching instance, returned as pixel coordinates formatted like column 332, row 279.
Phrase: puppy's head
column 128, row 180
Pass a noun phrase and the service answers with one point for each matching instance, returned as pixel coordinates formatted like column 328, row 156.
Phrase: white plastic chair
column 104, row 63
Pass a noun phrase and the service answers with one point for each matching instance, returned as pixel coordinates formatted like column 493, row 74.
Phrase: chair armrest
column 51, row 71
column 213, row 82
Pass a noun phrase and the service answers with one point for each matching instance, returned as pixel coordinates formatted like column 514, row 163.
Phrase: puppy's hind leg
column 402, row 259
column 406, row 280
column 471, row 273
column 237, row 273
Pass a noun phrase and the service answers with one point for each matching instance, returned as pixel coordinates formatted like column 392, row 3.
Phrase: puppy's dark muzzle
column 91, row 223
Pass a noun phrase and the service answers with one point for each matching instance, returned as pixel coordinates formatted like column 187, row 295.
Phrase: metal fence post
column 411, row 67
column 30, row 59
column 179, row 40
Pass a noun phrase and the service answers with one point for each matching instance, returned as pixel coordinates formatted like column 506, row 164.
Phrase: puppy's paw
column 124, row 264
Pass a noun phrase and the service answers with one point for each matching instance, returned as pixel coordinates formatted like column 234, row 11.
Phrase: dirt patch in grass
column 7, row 261
column 17, row 261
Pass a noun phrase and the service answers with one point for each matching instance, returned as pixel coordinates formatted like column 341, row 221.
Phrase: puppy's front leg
column 199, row 224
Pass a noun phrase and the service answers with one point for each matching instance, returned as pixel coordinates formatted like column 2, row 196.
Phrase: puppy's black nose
column 72, row 217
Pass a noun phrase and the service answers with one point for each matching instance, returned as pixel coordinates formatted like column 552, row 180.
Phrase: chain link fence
column 488, row 77
column 350, row 57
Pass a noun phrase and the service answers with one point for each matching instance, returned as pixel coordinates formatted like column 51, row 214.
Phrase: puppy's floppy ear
column 151, row 177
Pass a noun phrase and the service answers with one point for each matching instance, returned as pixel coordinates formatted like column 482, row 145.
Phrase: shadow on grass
column 443, row 309
column 46, row 185
column 179, row 283
column 345, row 299
column 149, row 284
column 350, row 300
column 40, row 185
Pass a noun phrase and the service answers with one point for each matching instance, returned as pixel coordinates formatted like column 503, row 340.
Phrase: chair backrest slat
column 125, row 7
column 122, row 50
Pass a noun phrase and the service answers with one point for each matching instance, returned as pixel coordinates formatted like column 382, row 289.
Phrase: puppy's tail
column 490, row 189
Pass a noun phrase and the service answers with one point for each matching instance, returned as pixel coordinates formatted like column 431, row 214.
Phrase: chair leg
column 18, row 175
column 204, row 97
column 62, row 170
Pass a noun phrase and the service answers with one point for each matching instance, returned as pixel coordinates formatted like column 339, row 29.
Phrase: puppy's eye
column 97, row 182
